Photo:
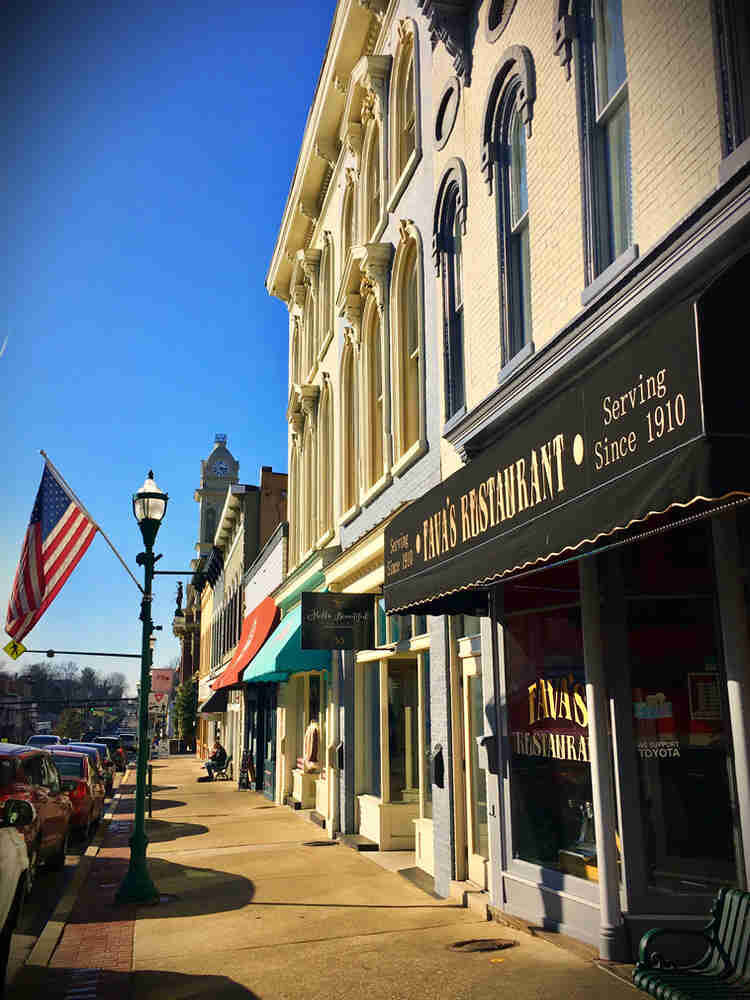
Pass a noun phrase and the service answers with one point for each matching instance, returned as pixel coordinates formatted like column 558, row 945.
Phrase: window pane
column 550, row 773
column 405, row 626
column 371, row 729
column 519, row 200
column 618, row 170
column 381, row 637
column 412, row 338
column 520, row 332
column 480, row 843
column 420, row 625
column 403, row 741
column 610, row 50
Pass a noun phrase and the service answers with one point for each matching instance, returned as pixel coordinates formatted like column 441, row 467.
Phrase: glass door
column 476, row 776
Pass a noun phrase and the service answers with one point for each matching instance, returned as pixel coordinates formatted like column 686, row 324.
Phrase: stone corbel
column 403, row 230
column 310, row 396
column 353, row 140
column 404, row 32
column 367, row 111
column 447, row 23
column 298, row 424
column 297, row 298
column 309, row 261
column 375, row 80
column 375, row 265
column 353, row 319
column 295, row 402
column 564, row 30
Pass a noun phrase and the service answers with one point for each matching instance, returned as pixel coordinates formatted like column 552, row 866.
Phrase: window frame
column 407, row 56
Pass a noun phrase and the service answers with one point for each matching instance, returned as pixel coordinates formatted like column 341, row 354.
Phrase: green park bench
column 224, row 773
column 722, row 972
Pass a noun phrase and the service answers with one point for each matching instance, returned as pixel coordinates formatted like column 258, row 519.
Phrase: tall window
column 372, row 193
column 309, row 334
column 295, row 364
column 325, row 470
column 375, row 401
column 453, row 306
column 309, row 500
column 326, row 285
column 347, row 223
column 513, row 227
column 407, row 335
column 348, row 431
column 608, row 175
column 732, row 26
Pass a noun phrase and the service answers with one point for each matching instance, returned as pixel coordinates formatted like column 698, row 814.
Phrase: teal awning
column 282, row 653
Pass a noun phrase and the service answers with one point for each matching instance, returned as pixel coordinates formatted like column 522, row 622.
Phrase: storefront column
column 493, row 657
column 440, row 754
column 347, row 776
column 734, row 633
column 612, row 941
column 333, row 739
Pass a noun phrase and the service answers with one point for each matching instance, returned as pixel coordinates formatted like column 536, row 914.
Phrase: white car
column 14, row 872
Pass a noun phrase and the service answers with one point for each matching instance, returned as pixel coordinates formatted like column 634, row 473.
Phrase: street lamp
column 149, row 507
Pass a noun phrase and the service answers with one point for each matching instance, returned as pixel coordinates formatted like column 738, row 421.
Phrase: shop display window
column 681, row 736
column 426, row 738
column 550, row 772
column 397, row 628
column 403, row 732
column 370, row 729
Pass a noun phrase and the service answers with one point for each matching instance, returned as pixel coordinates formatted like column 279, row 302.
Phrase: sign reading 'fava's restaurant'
column 626, row 439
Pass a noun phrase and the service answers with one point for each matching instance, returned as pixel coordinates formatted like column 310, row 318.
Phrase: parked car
column 14, row 872
column 84, row 786
column 129, row 741
column 95, row 759
column 115, row 748
column 42, row 740
column 29, row 774
column 108, row 763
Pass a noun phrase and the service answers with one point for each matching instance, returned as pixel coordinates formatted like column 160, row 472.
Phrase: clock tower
column 218, row 471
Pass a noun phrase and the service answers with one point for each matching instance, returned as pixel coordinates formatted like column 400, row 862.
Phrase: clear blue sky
column 150, row 151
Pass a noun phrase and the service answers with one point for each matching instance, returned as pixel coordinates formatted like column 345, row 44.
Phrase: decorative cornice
column 375, row 79
column 310, row 396
column 309, row 261
column 375, row 264
column 447, row 22
column 516, row 61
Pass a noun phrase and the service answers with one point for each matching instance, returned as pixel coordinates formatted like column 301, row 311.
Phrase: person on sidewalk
column 217, row 760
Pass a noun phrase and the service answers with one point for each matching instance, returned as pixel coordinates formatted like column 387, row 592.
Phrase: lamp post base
column 137, row 886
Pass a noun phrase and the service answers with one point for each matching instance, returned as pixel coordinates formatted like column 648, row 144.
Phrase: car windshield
column 69, row 767
column 41, row 741
column 91, row 753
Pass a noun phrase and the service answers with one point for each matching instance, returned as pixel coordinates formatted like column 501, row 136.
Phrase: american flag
column 59, row 533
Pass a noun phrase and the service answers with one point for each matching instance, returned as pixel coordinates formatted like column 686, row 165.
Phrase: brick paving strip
column 89, row 939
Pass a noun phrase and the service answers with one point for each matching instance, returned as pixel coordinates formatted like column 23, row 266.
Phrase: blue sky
column 152, row 147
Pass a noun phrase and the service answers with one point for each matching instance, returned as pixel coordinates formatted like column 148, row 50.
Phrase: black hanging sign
column 338, row 621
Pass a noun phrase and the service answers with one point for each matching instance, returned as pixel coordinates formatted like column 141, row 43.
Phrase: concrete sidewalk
column 255, row 903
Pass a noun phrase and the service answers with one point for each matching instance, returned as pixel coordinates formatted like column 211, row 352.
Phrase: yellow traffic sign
column 14, row 649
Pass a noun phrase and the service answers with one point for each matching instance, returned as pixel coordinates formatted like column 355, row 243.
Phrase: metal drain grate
column 83, row 984
column 481, row 944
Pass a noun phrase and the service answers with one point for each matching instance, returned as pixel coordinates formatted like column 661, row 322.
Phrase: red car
column 30, row 773
column 84, row 787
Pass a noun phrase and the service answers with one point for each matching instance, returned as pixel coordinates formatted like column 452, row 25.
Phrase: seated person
column 217, row 760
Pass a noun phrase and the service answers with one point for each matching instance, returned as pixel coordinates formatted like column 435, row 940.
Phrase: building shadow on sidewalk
column 58, row 984
column 166, row 803
column 160, row 831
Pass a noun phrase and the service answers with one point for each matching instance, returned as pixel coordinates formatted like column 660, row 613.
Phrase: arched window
column 374, row 401
column 309, row 505
column 325, row 464
column 347, row 223
column 295, row 360
column 325, row 324
column 507, row 121
column 308, row 327
column 349, row 490
column 405, row 140
column 407, row 331
column 513, row 225
column 449, row 227
column 371, row 194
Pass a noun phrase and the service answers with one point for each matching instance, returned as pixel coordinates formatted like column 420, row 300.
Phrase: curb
column 44, row 949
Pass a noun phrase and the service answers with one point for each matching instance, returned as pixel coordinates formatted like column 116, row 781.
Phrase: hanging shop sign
column 338, row 621
column 637, row 433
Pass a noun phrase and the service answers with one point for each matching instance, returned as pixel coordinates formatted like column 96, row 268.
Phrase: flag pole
column 55, row 472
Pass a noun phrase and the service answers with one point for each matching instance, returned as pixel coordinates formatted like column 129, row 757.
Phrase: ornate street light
column 149, row 508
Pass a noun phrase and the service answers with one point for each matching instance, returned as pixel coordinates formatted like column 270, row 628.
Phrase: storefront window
column 480, row 844
column 550, row 773
column 679, row 721
column 426, row 738
column 403, row 734
column 370, row 707
column 420, row 624
column 381, row 637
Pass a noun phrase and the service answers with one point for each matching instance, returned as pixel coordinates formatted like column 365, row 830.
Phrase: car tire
column 56, row 862
column 33, row 868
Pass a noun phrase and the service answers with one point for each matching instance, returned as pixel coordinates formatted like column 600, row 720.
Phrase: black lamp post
column 149, row 507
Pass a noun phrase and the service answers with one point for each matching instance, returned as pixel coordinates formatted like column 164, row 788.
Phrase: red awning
column 256, row 628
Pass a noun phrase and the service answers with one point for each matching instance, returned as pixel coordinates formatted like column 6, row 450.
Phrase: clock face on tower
column 220, row 469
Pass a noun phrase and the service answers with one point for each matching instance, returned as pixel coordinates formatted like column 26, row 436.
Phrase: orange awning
column 256, row 628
